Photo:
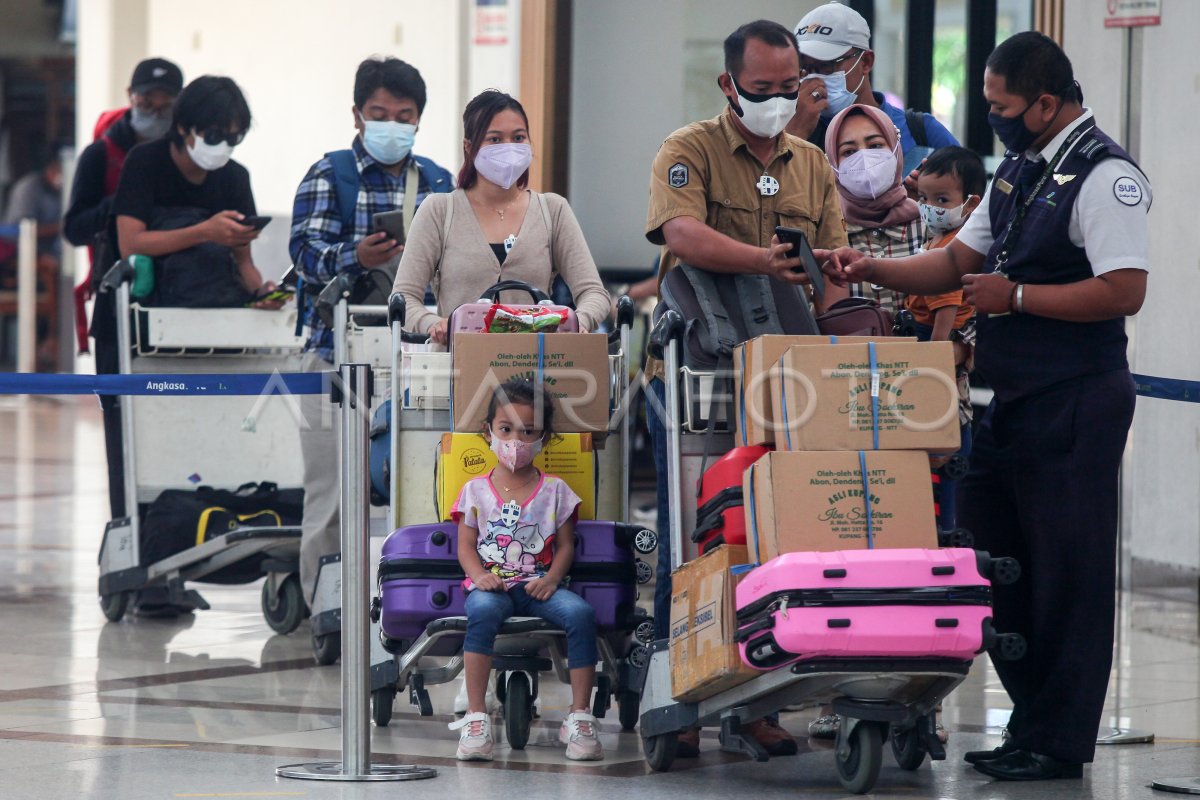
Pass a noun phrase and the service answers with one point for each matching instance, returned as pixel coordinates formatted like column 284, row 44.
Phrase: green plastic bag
column 143, row 276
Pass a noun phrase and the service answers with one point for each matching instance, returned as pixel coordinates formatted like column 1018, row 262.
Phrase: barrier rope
column 234, row 384
column 1167, row 388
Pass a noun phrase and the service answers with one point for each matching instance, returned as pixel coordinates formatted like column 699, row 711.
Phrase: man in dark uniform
column 1054, row 259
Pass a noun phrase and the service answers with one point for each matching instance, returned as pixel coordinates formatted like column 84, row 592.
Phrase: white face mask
column 210, row 157
column 840, row 98
column 867, row 174
column 768, row 115
column 942, row 220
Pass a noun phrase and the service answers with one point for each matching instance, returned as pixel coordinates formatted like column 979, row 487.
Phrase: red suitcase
column 882, row 603
column 720, row 516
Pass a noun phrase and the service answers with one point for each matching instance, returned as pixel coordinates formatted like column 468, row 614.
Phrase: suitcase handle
column 492, row 293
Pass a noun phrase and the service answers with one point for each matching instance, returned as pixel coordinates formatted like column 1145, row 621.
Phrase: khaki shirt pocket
column 793, row 213
column 736, row 219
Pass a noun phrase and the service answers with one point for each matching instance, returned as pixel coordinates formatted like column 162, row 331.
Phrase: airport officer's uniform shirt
column 1109, row 222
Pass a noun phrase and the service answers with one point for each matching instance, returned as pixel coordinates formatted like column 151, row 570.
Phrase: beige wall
column 1162, row 470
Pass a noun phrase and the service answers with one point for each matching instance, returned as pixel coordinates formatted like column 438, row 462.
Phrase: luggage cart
column 526, row 646
column 154, row 432
column 877, row 699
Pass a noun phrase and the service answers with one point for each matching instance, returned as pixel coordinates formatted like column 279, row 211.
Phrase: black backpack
column 714, row 325
column 204, row 276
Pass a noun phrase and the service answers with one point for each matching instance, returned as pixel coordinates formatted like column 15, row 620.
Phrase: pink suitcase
column 901, row 603
column 471, row 317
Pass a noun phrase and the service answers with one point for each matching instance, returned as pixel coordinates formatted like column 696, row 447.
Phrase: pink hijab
column 893, row 207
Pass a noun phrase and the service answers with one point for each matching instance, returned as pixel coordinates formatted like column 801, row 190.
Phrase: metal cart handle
column 668, row 327
column 339, row 288
column 121, row 272
column 625, row 311
column 397, row 310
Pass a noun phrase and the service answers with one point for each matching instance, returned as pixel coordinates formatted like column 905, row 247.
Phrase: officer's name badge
column 1004, row 186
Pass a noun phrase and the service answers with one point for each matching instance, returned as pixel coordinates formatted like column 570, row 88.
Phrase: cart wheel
column 628, row 706
column 327, row 648
column 283, row 611
column 660, row 750
column 908, row 748
column 644, row 632
column 381, row 705
column 645, row 540
column 645, row 572
column 518, row 710
column 115, row 605
column 860, row 768
column 639, row 656
column 419, row 697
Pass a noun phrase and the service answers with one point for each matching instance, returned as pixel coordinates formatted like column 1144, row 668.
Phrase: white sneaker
column 475, row 741
column 579, row 734
column 460, row 699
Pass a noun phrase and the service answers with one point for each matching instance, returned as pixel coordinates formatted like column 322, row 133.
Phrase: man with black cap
column 153, row 88
column 836, row 59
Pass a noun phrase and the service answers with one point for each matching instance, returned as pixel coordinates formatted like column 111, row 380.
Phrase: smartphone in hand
column 258, row 223
column 391, row 223
column 800, row 248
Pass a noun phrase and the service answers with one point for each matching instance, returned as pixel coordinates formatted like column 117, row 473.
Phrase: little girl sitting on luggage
column 516, row 542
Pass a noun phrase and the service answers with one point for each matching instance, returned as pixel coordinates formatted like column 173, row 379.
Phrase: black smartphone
column 391, row 223
column 914, row 157
column 258, row 223
column 800, row 247
column 289, row 279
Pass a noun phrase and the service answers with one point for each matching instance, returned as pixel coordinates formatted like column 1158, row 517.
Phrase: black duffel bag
column 178, row 519
column 203, row 276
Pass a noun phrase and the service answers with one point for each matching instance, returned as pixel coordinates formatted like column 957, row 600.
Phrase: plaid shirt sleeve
column 317, row 246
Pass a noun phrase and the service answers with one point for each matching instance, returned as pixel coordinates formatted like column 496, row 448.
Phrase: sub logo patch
column 1127, row 190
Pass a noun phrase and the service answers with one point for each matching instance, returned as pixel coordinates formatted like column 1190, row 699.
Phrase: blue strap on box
column 742, row 397
column 541, row 367
column 739, row 569
column 874, row 397
column 787, row 429
column 862, row 465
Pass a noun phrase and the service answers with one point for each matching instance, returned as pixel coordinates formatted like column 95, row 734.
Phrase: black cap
column 157, row 73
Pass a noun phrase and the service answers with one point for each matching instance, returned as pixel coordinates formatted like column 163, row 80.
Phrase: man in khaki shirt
column 718, row 188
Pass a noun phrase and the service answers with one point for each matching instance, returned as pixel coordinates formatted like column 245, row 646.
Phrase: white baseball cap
column 830, row 30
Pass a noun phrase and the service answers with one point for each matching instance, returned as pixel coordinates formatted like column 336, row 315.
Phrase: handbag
column 855, row 316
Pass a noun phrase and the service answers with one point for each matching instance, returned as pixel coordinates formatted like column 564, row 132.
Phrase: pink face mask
column 515, row 454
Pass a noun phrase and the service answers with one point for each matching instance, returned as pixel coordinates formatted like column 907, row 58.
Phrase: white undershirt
column 1113, row 232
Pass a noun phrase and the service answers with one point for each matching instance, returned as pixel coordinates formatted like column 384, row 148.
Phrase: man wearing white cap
column 836, row 61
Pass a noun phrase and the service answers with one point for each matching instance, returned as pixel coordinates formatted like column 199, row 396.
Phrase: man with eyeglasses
column 153, row 88
column 836, row 61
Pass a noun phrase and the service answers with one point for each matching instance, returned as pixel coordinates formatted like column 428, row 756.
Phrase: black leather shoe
column 975, row 756
column 1022, row 765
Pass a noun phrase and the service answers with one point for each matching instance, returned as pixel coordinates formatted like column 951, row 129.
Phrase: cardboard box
column 752, row 362
column 574, row 367
column 823, row 396
column 467, row 455
column 704, row 657
column 803, row 501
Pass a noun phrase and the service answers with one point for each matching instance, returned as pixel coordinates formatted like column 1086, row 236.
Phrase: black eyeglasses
column 214, row 136
column 827, row 67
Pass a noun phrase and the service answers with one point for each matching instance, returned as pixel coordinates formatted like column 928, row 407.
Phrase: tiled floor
column 208, row 705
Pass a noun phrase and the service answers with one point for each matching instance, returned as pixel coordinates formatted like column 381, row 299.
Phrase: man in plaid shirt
column 331, row 234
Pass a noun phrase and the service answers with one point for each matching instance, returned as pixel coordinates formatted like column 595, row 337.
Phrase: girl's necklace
column 512, row 489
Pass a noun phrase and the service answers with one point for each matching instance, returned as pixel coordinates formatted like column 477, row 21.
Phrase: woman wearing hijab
column 863, row 146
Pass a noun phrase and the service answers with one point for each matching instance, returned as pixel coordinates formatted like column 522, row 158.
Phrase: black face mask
column 1012, row 132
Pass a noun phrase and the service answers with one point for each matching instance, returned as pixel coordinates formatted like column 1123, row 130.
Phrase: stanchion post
column 27, row 296
column 353, row 392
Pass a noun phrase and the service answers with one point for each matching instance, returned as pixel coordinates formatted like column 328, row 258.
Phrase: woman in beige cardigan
column 493, row 228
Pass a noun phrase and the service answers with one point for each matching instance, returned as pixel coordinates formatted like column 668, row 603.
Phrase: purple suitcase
column 420, row 579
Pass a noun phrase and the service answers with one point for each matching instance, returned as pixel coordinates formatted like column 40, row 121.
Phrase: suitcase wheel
column 645, row 541
column 644, row 632
column 645, row 572
column 381, row 705
column 639, row 656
